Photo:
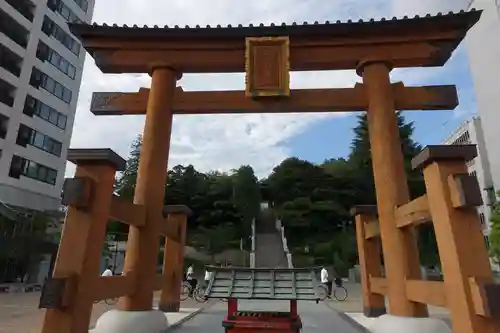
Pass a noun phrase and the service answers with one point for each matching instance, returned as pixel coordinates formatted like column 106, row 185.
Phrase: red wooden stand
column 261, row 321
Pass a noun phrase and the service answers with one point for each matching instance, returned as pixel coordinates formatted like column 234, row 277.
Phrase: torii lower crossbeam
column 300, row 100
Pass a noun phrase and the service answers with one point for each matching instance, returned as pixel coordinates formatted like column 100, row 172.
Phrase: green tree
column 246, row 195
column 125, row 184
column 361, row 161
column 494, row 237
column 125, row 187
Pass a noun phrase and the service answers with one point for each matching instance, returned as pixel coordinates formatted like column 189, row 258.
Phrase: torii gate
column 267, row 55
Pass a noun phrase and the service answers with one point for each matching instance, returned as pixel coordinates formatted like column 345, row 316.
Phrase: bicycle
column 185, row 290
column 199, row 295
column 339, row 293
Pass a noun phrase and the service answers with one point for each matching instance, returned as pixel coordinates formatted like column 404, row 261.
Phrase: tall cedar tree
column 361, row 161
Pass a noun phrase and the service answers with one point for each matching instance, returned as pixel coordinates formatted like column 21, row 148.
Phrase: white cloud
column 222, row 142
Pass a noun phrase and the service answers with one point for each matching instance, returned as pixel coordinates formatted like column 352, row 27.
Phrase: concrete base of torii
column 116, row 321
column 394, row 324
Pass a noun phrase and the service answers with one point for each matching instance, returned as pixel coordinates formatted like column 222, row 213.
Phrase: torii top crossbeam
column 408, row 42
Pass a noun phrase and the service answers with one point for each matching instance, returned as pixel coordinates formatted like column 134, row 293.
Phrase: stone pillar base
column 394, row 324
column 374, row 312
column 118, row 321
column 172, row 306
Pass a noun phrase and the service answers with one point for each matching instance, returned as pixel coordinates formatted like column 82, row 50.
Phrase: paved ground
column 19, row 312
column 316, row 318
column 354, row 302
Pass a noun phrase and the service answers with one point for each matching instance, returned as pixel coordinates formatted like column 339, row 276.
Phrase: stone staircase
column 268, row 243
column 269, row 251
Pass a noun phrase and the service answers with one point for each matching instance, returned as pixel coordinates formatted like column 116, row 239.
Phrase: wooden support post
column 459, row 238
column 173, row 259
column 143, row 246
column 78, row 258
column 399, row 246
column 369, row 261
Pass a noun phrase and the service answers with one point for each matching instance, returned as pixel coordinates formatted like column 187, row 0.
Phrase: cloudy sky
column 227, row 141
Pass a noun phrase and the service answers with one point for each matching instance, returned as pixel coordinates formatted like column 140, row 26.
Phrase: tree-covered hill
column 312, row 200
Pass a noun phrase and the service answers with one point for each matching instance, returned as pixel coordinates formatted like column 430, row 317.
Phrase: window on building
column 7, row 93
column 45, row 53
column 50, row 28
column 25, row 7
column 58, row 6
column 39, row 79
column 4, row 126
column 482, row 219
column 83, row 4
column 21, row 166
column 10, row 61
column 28, row 136
column 12, row 29
column 492, row 196
column 32, row 107
column 487, row 241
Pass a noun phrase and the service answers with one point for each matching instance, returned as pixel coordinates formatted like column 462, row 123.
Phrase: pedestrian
column 208, row 275
column 191, row 280
column 326, row 282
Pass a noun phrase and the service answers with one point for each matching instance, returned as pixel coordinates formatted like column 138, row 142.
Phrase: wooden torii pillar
column 173, row 258
column 370, row 265
column 400, row 249
column 143, row 243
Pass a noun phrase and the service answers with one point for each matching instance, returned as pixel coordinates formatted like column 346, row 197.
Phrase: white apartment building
column 41, row 65
column 471, row 132
column 483, row 48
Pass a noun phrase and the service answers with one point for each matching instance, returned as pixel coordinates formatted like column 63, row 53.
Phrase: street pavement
column 316, row 318
column 19, row 312
column 354, row 302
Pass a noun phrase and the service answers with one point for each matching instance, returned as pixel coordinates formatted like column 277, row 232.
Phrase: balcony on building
column 10, row 61
column 12, row 29
column 7, row 93
column 25, row 7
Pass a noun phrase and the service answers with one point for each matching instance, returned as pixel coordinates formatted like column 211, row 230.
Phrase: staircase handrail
column 281, row 228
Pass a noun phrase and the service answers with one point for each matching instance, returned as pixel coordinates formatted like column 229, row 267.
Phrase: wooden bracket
column 464, row 191
column 372, row 229
column 485, row 296
column 413, row 213
column 127, row 212
column 379, row 285
column 58, row 293
column 77, row 192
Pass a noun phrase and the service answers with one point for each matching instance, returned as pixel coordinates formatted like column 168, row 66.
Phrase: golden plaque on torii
column 267, row 67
